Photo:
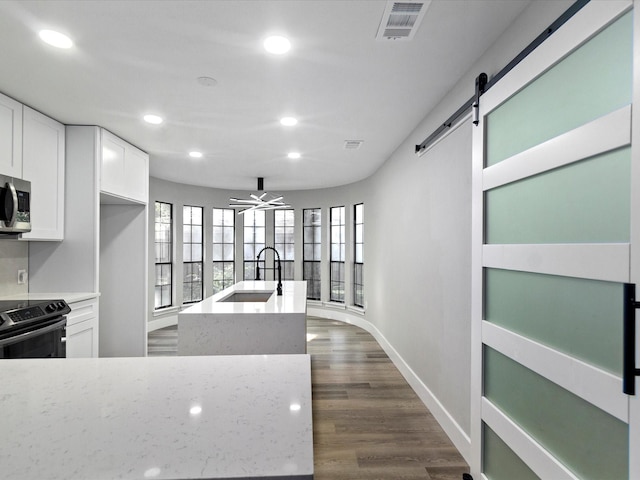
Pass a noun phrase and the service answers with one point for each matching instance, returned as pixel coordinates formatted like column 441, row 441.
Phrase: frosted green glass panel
column 499, row 462
column 594, row 80
column 587, row 440
column 582, row 318
column 584, row 202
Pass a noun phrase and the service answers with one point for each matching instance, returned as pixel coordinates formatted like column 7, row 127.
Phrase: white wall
column 417, row 239
column 419, row 264
column 14, row 256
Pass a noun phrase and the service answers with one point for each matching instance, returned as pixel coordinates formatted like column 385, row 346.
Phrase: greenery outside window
column 284, row 240
column 336, row 273
column 312, row 251
column 163, row 254
column 192, row 254
column 254, row 241
column 224, row 238
column 358, row 255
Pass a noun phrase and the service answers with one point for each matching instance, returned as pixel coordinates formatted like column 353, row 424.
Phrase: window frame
column 337, row 223
column 226, row 280
column 168, row 263
column 249, row 264
column 189, row 265
column 288, row 230
column 358, row 256
column 311, row 267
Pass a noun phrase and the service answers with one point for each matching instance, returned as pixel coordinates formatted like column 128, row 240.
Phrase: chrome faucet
column 279, row 267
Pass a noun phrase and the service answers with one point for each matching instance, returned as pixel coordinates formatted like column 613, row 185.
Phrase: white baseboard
column 161, row 322
column 460, row 439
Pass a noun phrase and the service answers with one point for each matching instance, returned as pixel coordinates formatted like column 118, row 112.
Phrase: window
column 312, row 243
column 254, row 241
column 284, row 240
column 358, row 257
column 224, row 235
column 336, row 273
column 164, row 254
column 192, row 254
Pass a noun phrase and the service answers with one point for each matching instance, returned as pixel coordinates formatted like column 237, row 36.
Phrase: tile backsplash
column 14, row 256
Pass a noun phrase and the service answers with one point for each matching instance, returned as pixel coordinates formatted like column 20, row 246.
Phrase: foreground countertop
column 292, row 300
column 240, row 417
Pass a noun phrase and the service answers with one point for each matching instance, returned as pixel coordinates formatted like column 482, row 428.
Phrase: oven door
column 44, row 340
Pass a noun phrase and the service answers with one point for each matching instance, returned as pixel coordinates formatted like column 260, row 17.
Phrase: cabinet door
column 112, row 171
column 136, row 174
column 10, row 137
column 43, row 164
column 82, row 339
column 82, row 329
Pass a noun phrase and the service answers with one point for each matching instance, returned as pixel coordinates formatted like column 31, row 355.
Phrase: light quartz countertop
column 292, row 300
column 201, row 417
column 69, row 297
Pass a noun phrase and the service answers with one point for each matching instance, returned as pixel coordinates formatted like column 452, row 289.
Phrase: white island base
column 238, row 321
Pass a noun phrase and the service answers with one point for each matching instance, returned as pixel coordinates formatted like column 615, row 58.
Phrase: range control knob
column 51, row 308
column 60, row 305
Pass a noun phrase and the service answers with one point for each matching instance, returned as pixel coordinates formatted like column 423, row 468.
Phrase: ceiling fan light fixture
column 255, row 202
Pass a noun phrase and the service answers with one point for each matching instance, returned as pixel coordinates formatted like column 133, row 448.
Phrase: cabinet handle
column 629, row 369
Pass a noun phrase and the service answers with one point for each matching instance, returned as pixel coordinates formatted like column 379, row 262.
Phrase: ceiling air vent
column 353, row 144
column 401, row 20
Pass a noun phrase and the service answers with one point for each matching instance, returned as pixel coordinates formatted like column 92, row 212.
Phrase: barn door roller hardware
column 474, row 102
column 481, row 84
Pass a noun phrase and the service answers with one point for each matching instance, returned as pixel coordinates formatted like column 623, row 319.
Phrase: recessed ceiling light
column 153, row 119
column 195, row 154
column 288, row 121
column 277, row 45
column 293, row 155
column 55, row 39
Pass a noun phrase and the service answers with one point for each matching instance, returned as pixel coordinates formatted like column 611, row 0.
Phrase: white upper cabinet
column 10, row 137
column 43, row 164
column 136, row 174
column 112, row 166
column 124, row 172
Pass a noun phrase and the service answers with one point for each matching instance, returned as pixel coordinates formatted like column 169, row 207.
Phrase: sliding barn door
column 555, row 208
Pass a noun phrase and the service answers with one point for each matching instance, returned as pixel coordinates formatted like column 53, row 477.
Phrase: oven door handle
column 33, row 333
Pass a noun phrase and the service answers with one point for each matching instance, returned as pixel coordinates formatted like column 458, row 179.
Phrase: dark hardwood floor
column 368, row 423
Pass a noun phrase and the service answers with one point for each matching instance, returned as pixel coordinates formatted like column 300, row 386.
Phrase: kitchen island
column 247, row 318
column 221, row 417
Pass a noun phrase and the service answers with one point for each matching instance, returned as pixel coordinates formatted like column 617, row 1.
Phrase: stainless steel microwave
column 15, row 205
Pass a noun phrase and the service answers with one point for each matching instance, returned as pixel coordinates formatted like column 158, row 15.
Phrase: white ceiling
column 143, row 56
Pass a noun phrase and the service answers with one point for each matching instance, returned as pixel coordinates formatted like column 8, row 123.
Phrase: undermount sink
column 238, row 297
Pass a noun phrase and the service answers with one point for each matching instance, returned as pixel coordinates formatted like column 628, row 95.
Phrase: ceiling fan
column 255, row 202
